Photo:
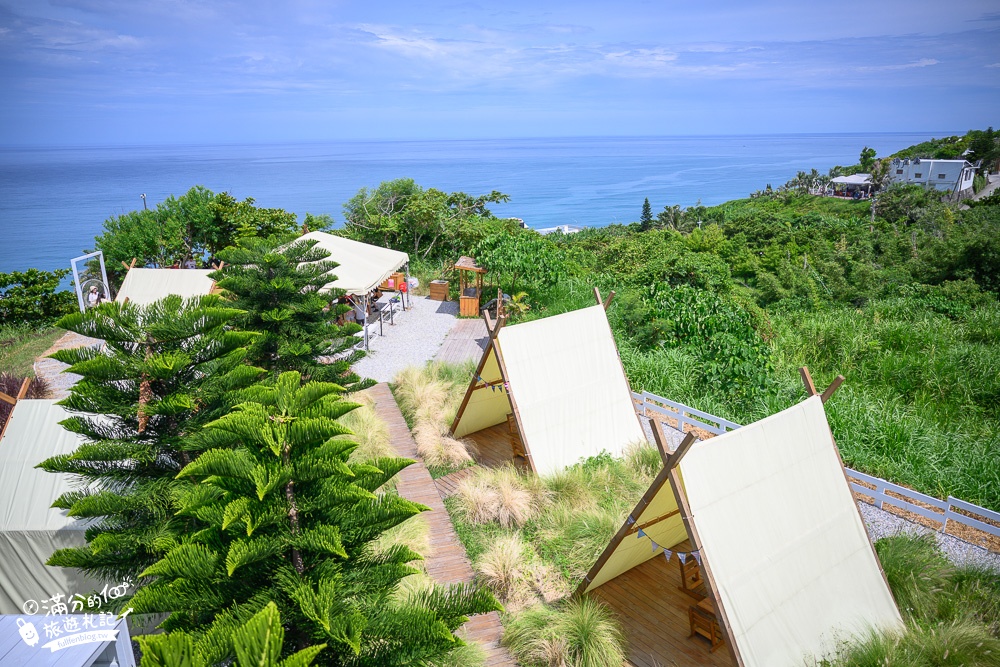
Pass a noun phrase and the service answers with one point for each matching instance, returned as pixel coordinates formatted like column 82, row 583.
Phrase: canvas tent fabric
column 30, row 529
column 362, row 267
column 564, row 375
column 144, row 286
column 781, row 535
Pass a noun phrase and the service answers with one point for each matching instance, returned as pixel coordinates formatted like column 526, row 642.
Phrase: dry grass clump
column 504, row 569
column 436, row 448
column 517, row 576
column 370, row 432
column 429, row 398
column 501, row 495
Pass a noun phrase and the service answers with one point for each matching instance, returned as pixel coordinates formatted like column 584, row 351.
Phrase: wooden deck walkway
column 465, row 342
column 448, row 563
column 654, row 613
column 448, row 485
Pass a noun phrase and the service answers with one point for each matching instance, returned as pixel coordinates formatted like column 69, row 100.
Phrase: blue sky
column 99, row 72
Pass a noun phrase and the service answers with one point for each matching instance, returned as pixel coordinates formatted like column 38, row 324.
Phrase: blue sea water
column 53, row 201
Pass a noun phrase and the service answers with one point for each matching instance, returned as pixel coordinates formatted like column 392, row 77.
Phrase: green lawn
column 20, row 346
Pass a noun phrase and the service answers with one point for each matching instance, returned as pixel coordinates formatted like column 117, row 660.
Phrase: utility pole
column 143, row 195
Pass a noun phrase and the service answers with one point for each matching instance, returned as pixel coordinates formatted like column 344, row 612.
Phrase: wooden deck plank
column 465, row 342
column 654, row 614
column 447, row 563
column 494, row 446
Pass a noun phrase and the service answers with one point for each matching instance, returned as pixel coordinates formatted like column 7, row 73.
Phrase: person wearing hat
column 93, row 298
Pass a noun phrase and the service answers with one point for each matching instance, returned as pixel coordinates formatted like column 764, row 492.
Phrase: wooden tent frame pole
column 513, row 406
column 21, row 393
column 623, row 532
column 493, row 329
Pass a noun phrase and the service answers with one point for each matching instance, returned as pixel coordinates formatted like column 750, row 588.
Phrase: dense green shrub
column 33, row 297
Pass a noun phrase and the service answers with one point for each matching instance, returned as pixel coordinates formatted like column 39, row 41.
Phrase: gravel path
column 413, row 340
column 880, row 523
column 52, row 371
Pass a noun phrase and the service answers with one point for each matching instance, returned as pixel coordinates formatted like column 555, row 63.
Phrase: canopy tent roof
column 853, row 179
column 563, row 381
column 144, row 286
column 780, row 538
column 362, row 267
column 30, row 529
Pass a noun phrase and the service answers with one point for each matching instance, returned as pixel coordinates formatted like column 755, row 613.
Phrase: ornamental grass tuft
column 581, row 632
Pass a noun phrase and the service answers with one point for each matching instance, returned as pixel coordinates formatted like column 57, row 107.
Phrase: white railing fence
column 879, row 490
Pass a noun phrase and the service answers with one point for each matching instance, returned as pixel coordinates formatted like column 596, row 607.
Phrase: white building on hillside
column 954, row 176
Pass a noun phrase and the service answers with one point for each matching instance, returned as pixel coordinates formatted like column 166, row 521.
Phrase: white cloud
column 994, row 65
column 923, row 62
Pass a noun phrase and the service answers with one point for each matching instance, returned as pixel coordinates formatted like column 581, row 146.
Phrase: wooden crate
column 393, row 283
column 468, row 306
column 439, row 290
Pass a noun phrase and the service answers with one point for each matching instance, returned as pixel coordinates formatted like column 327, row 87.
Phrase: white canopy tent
column 562, row 380
column 853, row 179
column 361, row 267
column 30, row 529
column 787, row 562
column 144, row 286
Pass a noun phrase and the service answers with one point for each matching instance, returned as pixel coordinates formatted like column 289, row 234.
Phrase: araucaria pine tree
column 278, row 285
column 291, row 520
column 646, row 220
column 164, row 370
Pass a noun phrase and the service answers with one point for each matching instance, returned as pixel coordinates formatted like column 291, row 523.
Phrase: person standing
column 359, row 312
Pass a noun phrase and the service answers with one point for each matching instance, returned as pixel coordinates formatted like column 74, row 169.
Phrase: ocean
column 54, row 201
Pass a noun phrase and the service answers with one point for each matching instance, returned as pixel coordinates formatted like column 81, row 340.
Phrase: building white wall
column 945, row 175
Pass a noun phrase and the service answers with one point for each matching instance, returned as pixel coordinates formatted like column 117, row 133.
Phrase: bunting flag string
column 667, row 553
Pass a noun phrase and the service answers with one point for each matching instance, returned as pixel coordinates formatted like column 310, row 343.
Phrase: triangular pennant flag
column 655, row 546
column 697, row 558
column 682, row 556
column 667, row 553
column 641, row 534
column 630, row 520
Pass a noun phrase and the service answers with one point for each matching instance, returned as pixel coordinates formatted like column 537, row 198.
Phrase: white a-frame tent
column 31, row 530
column 561, row 382
column 766, row 514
